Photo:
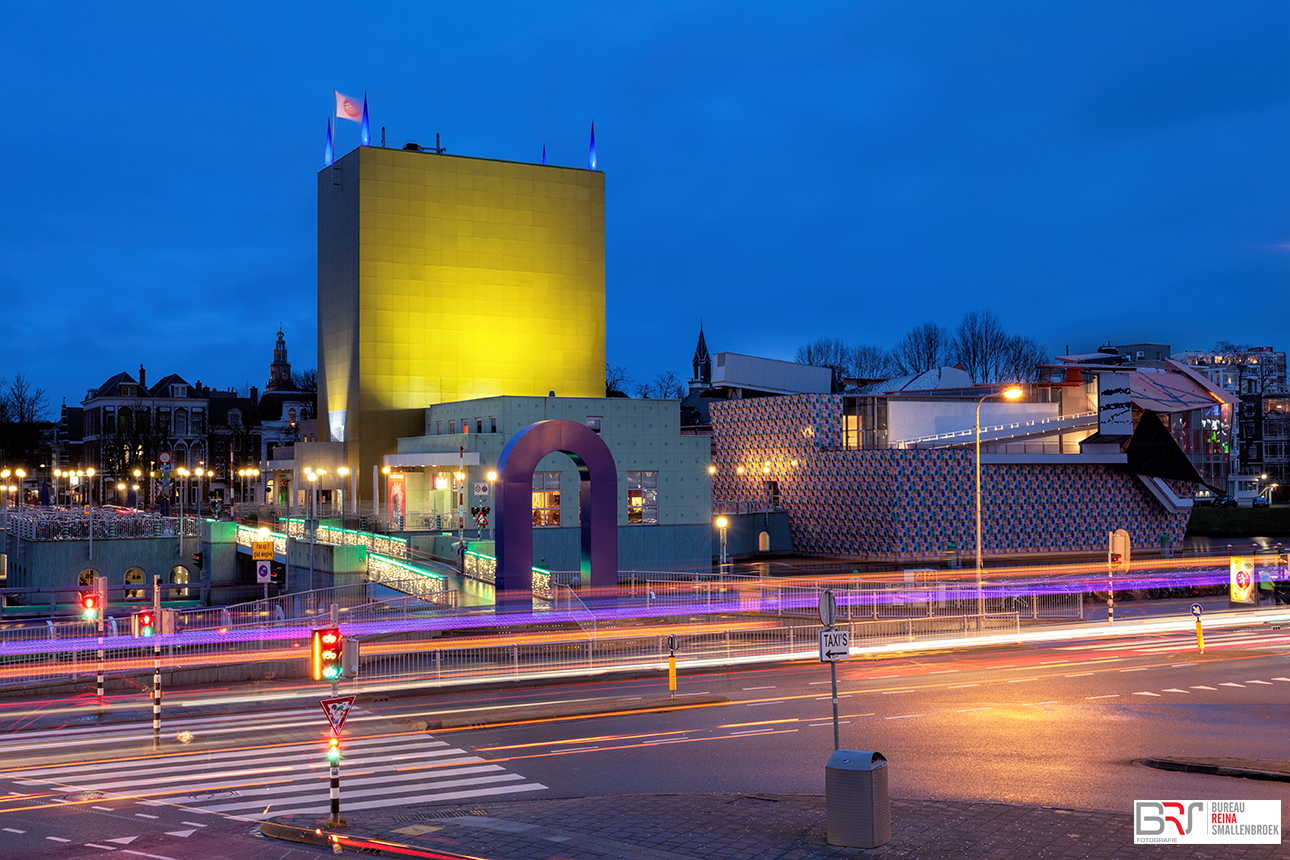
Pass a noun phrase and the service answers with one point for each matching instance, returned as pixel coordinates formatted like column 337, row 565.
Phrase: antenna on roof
column 437, row 148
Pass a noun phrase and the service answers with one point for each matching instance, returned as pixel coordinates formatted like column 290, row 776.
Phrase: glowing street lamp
column 343, row 471
column 1012, row 393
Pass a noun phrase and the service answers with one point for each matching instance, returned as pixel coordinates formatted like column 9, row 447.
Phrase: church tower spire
column 702, row 364
column 280, row 369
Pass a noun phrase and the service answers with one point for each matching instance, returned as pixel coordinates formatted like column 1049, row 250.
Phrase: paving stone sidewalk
column 749, row 827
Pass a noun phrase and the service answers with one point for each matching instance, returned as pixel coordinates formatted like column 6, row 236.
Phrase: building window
column 642, row 498
column 438, row 428
column 452, row 428
column 178, row 576
column 109, row 419
column 181, row 422
column 479, row 425
column 492, row 424
column 546, row 498
column 134, row 577
column 291, row 417
column 593, row 421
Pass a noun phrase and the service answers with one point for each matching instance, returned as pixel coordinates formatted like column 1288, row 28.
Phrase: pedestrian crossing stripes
column 291, row 778
column 1162, row 643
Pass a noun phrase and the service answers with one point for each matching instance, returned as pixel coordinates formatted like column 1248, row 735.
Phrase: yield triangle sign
column 337, row 709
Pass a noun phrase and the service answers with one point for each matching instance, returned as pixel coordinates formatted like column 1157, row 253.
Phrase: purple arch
column 597, row 506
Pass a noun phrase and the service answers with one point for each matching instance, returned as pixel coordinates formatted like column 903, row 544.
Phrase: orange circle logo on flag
column 351, row 109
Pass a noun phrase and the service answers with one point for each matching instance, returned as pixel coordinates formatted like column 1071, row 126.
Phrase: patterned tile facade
column 917, row 502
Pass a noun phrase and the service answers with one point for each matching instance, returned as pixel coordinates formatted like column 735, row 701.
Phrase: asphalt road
column 1061, row 724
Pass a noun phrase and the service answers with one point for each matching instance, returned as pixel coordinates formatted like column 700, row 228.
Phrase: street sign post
column 834, row 643
column 337, row 709
column 1196, row 610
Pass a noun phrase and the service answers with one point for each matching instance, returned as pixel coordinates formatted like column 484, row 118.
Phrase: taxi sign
column 1196, row 609
column 835, row 645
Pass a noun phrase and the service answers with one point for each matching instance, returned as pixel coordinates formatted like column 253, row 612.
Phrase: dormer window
column 234, row 417
column 291, row 416
column 179, row 391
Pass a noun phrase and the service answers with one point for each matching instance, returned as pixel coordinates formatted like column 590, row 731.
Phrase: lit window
column 546, row 498
column 642, row 497
column 134, row 576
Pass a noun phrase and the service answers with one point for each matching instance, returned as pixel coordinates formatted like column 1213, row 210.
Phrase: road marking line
column 104, row 847
column 840, row 723
column 141, row 854
column 890, row 692
column 1211, row 689
column 1230, row 684
column 902, row 717
column 184, row 834
column 103, row 808
column 1281, row 679
column 1267, row 683
column 57, row 839
column 943, row 672
column 753, row 732
column 1175, row 690
column 970, row 710
column 1022, row 680
column 962, row 686
column 11, row 830
column 145, row 815
column 575, row 749
column 1033, row 704
column 1079, row 675
column 1136, row 669
column 1157, row 695
column 758, row 688
column 1180, row 665
column 124, row 840
column 1107, row 696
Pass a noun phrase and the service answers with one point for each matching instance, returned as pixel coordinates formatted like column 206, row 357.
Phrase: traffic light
column 326, row 653
column 474, row 510
column 143, row 623
column 333, row 749
column 90, row 606
column 197, row 560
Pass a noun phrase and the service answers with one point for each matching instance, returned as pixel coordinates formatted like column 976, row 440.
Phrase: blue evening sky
column 1089, row 171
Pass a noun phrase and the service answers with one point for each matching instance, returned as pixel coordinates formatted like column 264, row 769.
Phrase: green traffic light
column 88, row 615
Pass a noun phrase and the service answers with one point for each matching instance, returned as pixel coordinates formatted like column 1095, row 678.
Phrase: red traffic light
column 326, row 654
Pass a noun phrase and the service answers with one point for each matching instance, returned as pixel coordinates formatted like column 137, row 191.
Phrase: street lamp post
column 492, row 501
column 138, row 473
column 722, row 522
column 385, row 485
column 313, row 523
column 1011, row 393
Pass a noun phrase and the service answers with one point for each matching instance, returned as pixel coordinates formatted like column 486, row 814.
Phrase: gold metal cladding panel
column 453, row 242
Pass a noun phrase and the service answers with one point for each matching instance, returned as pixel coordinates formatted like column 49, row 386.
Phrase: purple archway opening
column 597, row 507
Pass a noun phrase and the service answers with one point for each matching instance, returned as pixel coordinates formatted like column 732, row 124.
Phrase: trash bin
column 857, row 807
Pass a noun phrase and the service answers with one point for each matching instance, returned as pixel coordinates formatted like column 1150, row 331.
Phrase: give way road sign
column 337, row 709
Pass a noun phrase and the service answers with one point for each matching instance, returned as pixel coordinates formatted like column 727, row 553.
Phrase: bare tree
column 616, row 378
column 1257, row 371
column 871, row 362
column 307, row 380
column 665, row 386
column 1020, row 361
column 923, row 348
column 23, row 410
column 979, row 344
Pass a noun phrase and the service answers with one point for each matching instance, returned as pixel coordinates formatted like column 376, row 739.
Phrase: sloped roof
column 1172, row 392
column 937, row 377
column 162, row 387
column 109, row 388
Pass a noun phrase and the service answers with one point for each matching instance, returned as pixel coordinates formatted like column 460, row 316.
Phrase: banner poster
column 396, row 495
column 1241, row 577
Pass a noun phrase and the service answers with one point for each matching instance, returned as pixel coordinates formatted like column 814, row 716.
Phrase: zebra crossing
column 1162, row 643
column 257, row 782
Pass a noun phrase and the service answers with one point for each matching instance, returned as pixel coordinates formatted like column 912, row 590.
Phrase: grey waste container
column 857, row 807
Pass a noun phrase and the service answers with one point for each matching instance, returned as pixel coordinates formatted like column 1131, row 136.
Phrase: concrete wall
column 744, row 532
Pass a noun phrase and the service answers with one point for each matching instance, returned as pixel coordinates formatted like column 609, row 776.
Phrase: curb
column 1222, row 767
column 499, row 716
column 292, row 833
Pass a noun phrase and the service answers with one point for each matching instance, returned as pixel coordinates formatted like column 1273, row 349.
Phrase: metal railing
column 48, row 524
column 1022, row 428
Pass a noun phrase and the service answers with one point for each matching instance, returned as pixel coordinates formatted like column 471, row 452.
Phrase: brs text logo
column 1165, row 820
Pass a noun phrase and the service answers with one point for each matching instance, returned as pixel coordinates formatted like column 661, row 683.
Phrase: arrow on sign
column 833, row 655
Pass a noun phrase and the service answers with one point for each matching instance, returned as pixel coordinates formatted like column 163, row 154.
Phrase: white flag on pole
column 347, row 108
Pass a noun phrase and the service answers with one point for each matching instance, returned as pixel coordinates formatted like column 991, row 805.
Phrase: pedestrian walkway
column 739, row 827
column 255, row 782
